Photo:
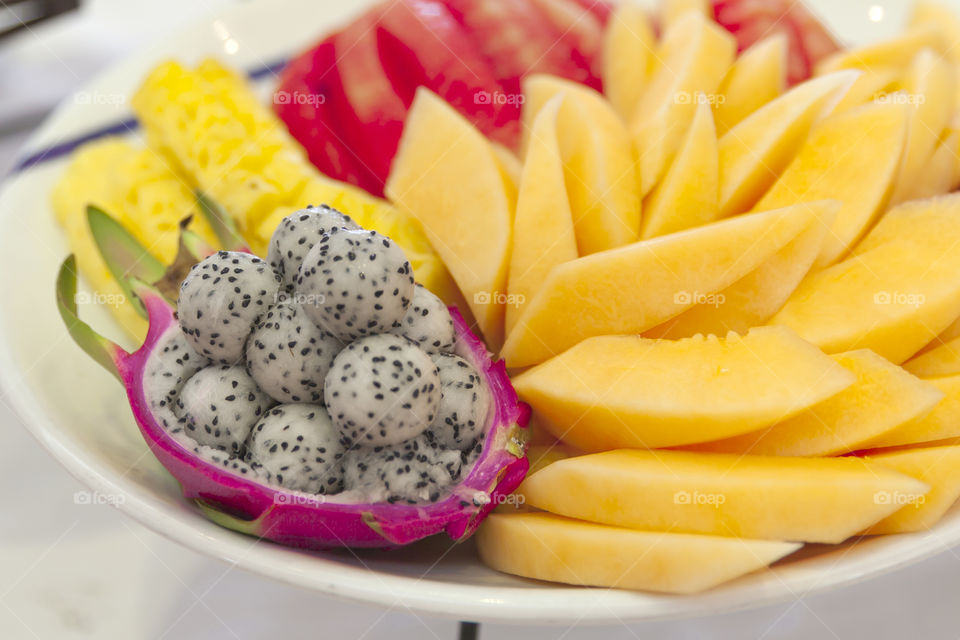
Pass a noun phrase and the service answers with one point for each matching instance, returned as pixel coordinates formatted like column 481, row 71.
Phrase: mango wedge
column 871, row 85
column 883, row 398
column 600, row 169
column 755, row 298
column 637, row 287
column 696, row 53
column 547, row 547
column 764, row 497
column 941, row 173
column 759, row 148
column 893, row 296
column 868, row 140
column 630, row 392
column 943, row 360
column 448, row 177
column 758, row 76
column 672, row 10
column 938, row 467
column 543, row 228
column 687, row 196
column 628, row 57
column 942, row 423
column 895, row 52
column 931, row 83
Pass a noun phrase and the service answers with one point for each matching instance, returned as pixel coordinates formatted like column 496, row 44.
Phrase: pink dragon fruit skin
column 317, row 522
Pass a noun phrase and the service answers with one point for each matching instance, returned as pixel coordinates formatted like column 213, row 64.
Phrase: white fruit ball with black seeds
column 219, row 405
column 295, row 236
column 221, row 298
column 355, row 283
column 382, row 390
column 427, row 322
column 299, row 448
column 410, row 472
column 464, row 403
column 289, row 356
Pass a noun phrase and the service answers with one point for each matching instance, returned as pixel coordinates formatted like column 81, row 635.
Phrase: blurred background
column 73, row 570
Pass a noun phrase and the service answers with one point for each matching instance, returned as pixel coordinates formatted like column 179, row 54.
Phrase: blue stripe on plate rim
column 68, row 146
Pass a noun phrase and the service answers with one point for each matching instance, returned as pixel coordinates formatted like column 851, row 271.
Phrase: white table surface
column 71, row 570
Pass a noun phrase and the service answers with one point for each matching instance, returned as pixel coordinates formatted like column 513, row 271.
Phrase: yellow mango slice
column 756, row 297
column 930, row 86
column 893, row 297
column 938, row 467
column 894, row 52
column 942, row 18
column 947, row 335
column 543, row 235
column 687, row 196
column 940, row 424
column 866, row 141
column 510, row 164
column 758, row 149
column 615, row 392
column 764, row 497
column 547, row 547
column 695, row 54
column 758, row 76
column 599, row 164
column 931, row 223
column 447, row 176
column 672, row 10
column 871, row 85
column 629, row 44
column 637, row 287
column 883, row 398
column 943, row 360
column 941, row 173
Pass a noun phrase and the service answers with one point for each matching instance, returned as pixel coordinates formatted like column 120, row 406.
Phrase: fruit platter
column 543, row 310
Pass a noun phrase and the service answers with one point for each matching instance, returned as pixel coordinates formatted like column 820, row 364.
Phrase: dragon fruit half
column 292, row 473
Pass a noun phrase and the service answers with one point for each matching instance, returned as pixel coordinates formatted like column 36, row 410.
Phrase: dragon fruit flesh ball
column 382, row 390
column 218, row 405
column 289, row 356
column 355, row 283
column 427, row 322
column 221, row 298
column 295, row 236
column 410, row 472
column 299, row 448
column 464, row 403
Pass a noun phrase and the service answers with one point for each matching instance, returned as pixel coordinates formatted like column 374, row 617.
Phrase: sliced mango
column 943, row 360
column 942, row 18
column 756, row 297
column 637, row 287
column 941, row 173
column 764, row 497
column 687, row 196
column 543, row 234
column 894, row 52
column 883, row 398
column 447, row 176
column 628, row 56
column 758, row 76
column 547, row 547
column 894, row 297
column 938, row 467
column 615, row 392
column 930, row 83
column 871, row 84
column 942, row 423
column 600, row 169
column 868, row 140
column 695, row 54
column 758, row 149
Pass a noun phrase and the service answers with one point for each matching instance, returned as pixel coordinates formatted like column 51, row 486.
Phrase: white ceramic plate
column 78, row 412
